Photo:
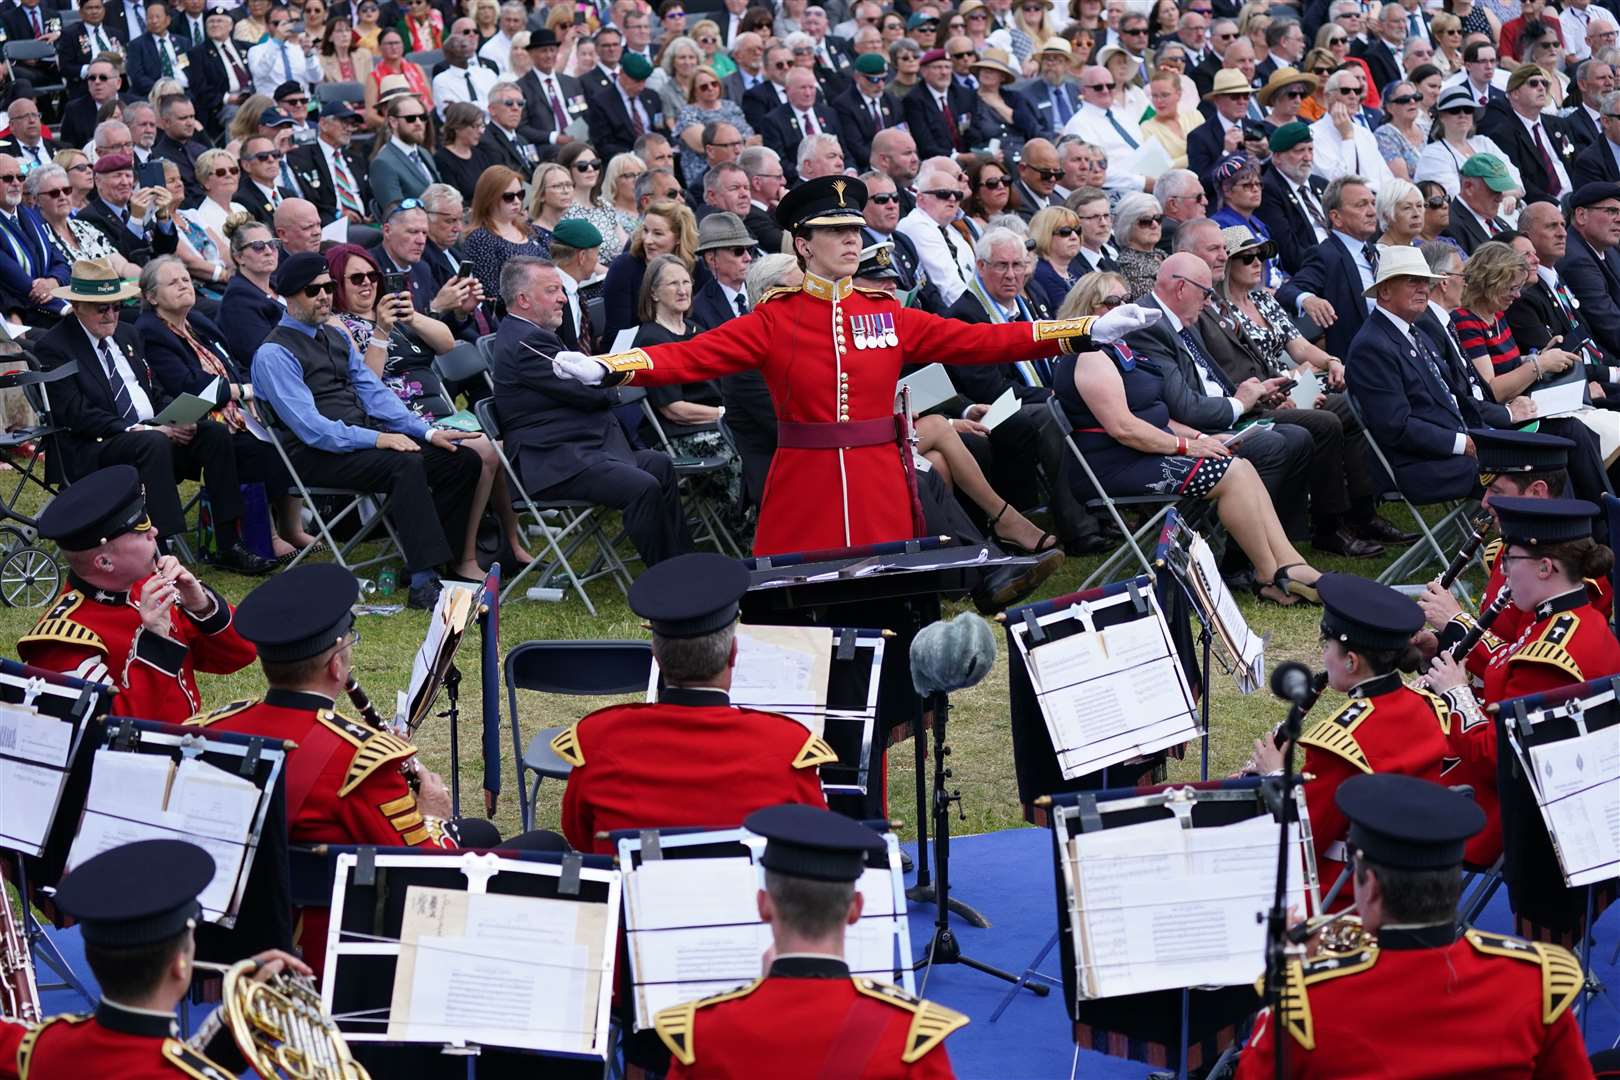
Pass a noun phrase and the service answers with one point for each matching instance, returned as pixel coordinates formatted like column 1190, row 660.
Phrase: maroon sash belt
column 835, row 436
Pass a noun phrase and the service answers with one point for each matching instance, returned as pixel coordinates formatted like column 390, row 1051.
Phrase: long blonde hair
column 680, row 221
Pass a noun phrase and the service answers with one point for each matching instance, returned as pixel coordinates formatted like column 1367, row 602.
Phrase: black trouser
column 644, row 493
column 1014, row 445
column 258, row 463
column 1332, row 480
column 1282, row 457
column 430, row 492
column 162, row 462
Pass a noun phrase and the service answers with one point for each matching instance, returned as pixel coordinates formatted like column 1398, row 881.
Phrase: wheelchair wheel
column 29, row 577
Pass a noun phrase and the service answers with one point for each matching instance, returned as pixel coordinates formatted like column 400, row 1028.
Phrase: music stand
column 489, row 674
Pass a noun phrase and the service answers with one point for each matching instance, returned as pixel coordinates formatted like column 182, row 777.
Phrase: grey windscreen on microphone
column 1290, row 681
column 952, row 654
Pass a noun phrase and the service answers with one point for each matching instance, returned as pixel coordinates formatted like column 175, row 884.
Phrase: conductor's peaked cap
column 952, row 655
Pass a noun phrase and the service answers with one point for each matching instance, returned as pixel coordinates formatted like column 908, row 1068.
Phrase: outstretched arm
column 738, row 344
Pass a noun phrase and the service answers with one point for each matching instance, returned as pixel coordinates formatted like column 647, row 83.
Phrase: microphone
column 1291, row 681
column 952, row 654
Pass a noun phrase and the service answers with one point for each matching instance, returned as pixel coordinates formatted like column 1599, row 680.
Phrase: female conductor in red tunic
column 832, row 354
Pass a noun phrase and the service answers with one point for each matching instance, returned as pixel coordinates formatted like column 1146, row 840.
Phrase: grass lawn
column 982, row 757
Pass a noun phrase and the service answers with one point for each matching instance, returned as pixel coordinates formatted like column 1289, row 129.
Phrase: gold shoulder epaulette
column 1561, row 977
column 776, row 292
column 55, row 625
column 1294, row 1014
column 1549, row 647
column 204, row 719
column 1442, row 711
column 674, row 1025
column 566, row 746
column 25, row 1049
column 815, row 752
column 192, row 1063
column 372, row 748
column 930, row 1022
column 1492, row 550
column 1337, row 733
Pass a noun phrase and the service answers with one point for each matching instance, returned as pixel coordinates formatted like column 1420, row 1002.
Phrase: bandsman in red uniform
column 1564, row 640
column 1385, row 727
column 1417, row 1002
column 129, row 617
column 1512, row 464
column 137, row 907
column 691, row 757
column 11, row 1037
column 808, row 1017
column 831, row 354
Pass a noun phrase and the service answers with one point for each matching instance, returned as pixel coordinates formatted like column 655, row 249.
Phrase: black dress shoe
column 1095, row 544
column 1380, row 531
column 1341, row 542
column 1006, row 585
column 240, row 560
column 424, row 597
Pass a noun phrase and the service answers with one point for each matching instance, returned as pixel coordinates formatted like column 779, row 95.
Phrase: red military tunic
column 1386, row 727
column 1510, row 622
column 1422, row 1006
column 837, row 488
column 789, row 1025
column 344, row 785
column 11, row 1037
column 97, row 635
column 691, row 758
column 114, row 1043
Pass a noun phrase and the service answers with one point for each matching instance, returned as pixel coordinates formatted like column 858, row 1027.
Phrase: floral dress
column 406, row 354
column 607, row 222
column 1392, row 144
column 1271, row 339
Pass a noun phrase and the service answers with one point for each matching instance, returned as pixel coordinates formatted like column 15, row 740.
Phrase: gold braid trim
column 566, row 746
column 813, row 753
column 1065, row 330
column 1336, row 733
column 675, row 1025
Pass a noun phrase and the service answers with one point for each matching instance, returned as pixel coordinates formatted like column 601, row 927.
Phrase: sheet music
column 1245, row 646
column 1577, row 784
column 34, row 752
column 445, row 627
column 457, row 946
column 779, row 669
column 1157, row 906
column 1110, row 695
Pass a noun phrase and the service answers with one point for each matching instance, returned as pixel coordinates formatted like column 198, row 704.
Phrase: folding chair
column 713, row 528
column 39, row 55
column 358, row 504
column 574, row 668
column 327, row 92
column 29, row 575
column 1454, row 520
column 426, row 59
column 1134, row 541
column 462, row 364
column 580, row 524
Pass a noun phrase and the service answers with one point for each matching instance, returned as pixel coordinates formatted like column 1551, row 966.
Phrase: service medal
column 857, row 329
column 889, row 335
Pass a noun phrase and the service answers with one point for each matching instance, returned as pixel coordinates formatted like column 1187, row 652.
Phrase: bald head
column 1543, row 224
column 298, row 226
column 1182, row 285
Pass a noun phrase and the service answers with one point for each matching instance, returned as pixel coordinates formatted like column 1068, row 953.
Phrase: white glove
column 1125, row 319
column 579, row 367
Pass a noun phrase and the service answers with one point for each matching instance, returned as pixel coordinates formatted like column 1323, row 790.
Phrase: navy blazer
column 553, row 428
column 709, row 306
column 1595, row 165
column 1330, row 272
column 174, row 363
column 1414, row 419
column 83, row 404
column 1206, row 144
column 254, row 313
column 1287, row 221
column 1039, row 93
column 927, row 123
column 142, row 64
column 610, row 127
column 1475, row 399
column 1583, row 130
column 1184, row 383
column 1466, row 229
column 1596, row 284
column 782, row 133
column 855, row 123
column 1504, row 127
column 43, row 259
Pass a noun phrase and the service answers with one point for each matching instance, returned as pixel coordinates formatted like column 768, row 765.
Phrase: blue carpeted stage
column 1007, row 876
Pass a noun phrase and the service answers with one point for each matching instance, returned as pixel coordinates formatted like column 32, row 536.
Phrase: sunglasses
column 266, row 155
column 259, row 246
column 994, row 183
column 1225, row 36
column 1133, row 33
column 781, row 65
column 1436, row 202
column 1461, row 110
column 1351, row 91
column 417, row 118
column 1154, row 219
column 1293, row 95
column 1246, row 257
column 55, row 193
column 945, row 193
column 1404, row 99
column 1321, row 72
column 1045, row 174
column 513, row 197
column 10, row 178
column 1337, row 40
column 364, row 277
column 101, row 78
column 1065, row 231
column 326, row 288
column 1542, row 83
column 228, row 171
column 882, row 200
column 1099, row 86
column 970, row 54
column 587, row 166
column 1112, row 302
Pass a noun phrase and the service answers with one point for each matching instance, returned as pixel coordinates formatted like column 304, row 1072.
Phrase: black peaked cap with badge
column 690, row 595
column 824, row 201
column 1542, row 522
column 1504, row 450
column 100, row 507
column 877, row 262
column 1406, row 823
column 1358, row 612
column 809, row 842
column 137, row 894
column 300, row 613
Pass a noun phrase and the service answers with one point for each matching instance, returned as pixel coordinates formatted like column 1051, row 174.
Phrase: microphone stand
column 1278, row 792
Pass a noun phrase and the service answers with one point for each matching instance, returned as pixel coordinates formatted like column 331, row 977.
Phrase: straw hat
column 1240, row 239
column 996, row 60
column 1394, row 262
column 1229, row 81
column 95, row 281
column 1285, row 76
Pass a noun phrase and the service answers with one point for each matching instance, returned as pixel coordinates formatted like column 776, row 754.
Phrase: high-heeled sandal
column 1293, row 586
column 1041, row 544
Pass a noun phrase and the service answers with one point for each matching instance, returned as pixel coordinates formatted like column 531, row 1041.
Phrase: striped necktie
column 348, row 198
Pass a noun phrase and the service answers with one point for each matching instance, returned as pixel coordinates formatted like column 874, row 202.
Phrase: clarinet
column 1319, row 683
column 1465, row 554
column 368, row 712
column 1495, row 608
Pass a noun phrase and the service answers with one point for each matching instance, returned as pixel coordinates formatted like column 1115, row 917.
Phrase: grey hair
column 107, row 128
column 1337, row 79
column 716, row 176
column 1437, row 253
column 756, row 159
column 809, row 147
column 1343, row 7
column 694, row 659
column 516, row 274
column 504, row 84
column 1390, row 193
column 36, row 180
column 1333, row 194
column 1174, row 184
column 1133, row 208
column 1187, row 232
column 1011, row 222
column 1610, row 102
column 767, row 271
column 439, row 195
column 798, row 39
column 644, row 182
column 150, row 272
column 1391, row 8
column 984, row 249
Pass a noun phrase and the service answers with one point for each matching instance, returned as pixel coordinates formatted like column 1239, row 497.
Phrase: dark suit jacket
column 1414, row 419
column 83, row 405
column 1536, row 318
column 1203, row 73
column 760, row 102
column 128, row 244
column 1381, row 63
column 1183, row 382
column 521, row 156
column 710, row 307
column 539, row 121
column 982, row 384
column 554, row 428
column 1283, row 216
column 255, row 201
column 782, row 133
column 1595, row 165
column 143, row 66
column 253, row 314
column 856, row 126
column 1502, row 124
column 185, row 159
column 1039, row 93
column 927, row 124
column 611, row 130
column 393, row 178
column 173, row 362
column 43, row 259
column 1581, row 128
column 309, row 166
column 73, row 51
column 79, row 119
column 14, row 20
column 1479, row 407
column 1596, row 284
column 593, row 81
column 1206, row 144
column 210, row 83
column 1466, row 229
column 1330, row 272
column 762, row 227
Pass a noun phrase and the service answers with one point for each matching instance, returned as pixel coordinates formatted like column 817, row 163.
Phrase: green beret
column 1289, row 136
column 871, row 64
column 636, row 66
column 576, row 233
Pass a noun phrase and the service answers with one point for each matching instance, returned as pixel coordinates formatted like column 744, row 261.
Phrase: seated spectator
column 74, row 238
column 252, row 303
column 1436, row 211
column 201, row 250
column 1238, row 195
column 990, row 192
column 1400, row 214
column 1492, row 280
column 1589, row 266
column 500, row 228
column 1137, row 222
column 287, row 49
column 1092, row 210
column 945, row 252
column 1004, row 114
column 710, row 124
column 1344, row 147
column 106, row 410
column 1328, row 287
column 136, row 223
column 31, row 267
column 1400, row 136
column 1454, row 140
column 667, row 228
column 594, row 179
column 1514, row 123
column 1171, row 122
column 502, row 144
column 459, row 160
column 553, row 194
column 402, row 168
column 574, row 248
column 1546, row 308
column 1056, row 232
column 1121, row 421
column 219, row 174
column 1476, row 211
column 187, row 353
column 102, row 82
column 344, row 428
column 81, row 174
column 333, row 174
column 298, row 226
column 260, row 190
column 563, row 436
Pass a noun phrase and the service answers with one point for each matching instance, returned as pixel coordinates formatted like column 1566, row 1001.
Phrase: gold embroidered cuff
column 1074, row 334
column 624, row 365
